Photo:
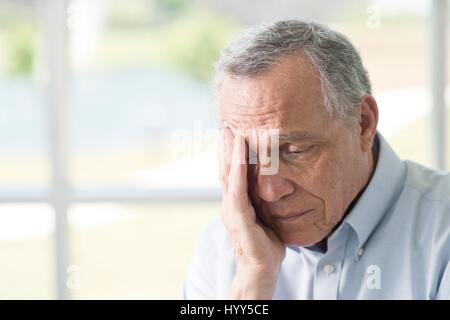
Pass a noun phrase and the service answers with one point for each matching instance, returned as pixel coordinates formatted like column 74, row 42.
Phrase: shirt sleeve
column 200, row 279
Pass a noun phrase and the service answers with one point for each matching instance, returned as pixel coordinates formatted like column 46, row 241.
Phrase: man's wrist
column 253, row 286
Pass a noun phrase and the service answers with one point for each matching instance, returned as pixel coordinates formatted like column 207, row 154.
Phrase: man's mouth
column 291, row 216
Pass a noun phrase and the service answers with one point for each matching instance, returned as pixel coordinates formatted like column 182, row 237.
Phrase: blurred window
column 23, row 121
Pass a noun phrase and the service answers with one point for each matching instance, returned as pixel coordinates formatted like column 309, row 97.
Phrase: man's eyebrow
column 296, row 135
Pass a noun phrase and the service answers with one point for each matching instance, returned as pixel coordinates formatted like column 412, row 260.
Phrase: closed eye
column 296, row 152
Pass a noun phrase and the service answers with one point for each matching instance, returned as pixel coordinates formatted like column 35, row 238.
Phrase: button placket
column 329, row 269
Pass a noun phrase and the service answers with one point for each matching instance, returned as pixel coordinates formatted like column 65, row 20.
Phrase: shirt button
column 360, row 252
column 329, row 268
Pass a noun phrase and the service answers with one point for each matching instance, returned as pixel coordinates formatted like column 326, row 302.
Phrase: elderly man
column 342, row 217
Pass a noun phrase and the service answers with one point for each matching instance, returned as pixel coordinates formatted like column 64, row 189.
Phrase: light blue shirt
column 394, row 244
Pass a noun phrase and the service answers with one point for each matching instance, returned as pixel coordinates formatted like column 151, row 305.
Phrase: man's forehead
column 272, row 132
column 254, row 110
column 296, row 135
column 286, row 114
column 286, row 100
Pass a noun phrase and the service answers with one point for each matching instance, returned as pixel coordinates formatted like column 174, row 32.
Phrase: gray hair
column 343, row 78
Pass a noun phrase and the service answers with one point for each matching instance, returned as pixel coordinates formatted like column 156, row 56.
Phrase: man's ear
column 368, row 121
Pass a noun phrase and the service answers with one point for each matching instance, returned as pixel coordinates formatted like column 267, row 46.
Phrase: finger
column 225, row 156
column 221, row 157
column 237, row 178
column 229, row 144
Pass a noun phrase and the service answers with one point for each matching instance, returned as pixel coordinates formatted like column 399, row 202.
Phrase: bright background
column 141, row 163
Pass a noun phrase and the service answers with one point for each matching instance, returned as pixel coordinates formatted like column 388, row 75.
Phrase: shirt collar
column 380, row 194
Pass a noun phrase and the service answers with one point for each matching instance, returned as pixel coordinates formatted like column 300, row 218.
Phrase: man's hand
column 258, row 250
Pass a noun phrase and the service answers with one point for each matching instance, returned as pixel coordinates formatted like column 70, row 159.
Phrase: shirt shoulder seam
column 445, row 201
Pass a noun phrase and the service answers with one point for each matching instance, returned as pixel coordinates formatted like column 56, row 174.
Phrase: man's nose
column 272, row 188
